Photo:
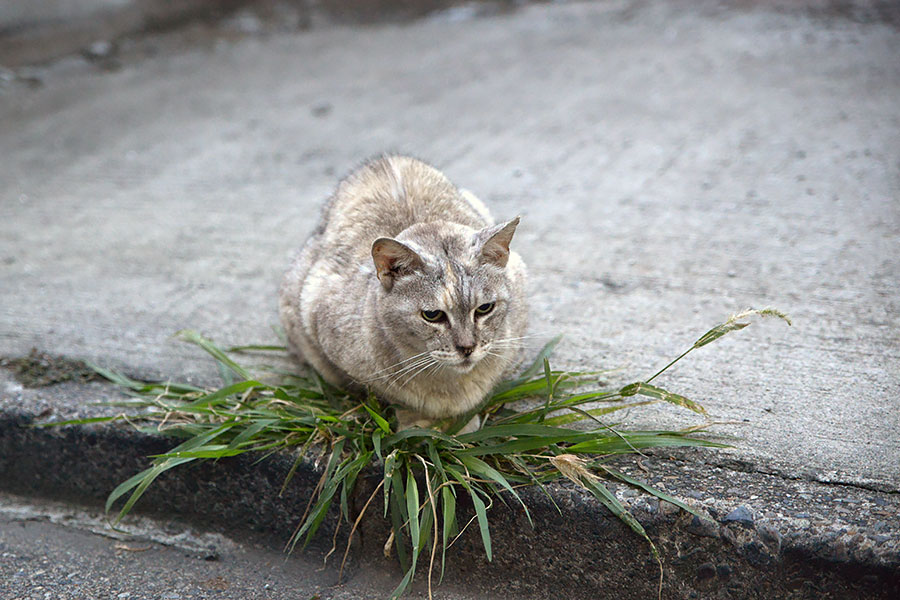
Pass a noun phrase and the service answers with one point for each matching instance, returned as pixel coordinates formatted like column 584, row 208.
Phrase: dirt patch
column 39, row 369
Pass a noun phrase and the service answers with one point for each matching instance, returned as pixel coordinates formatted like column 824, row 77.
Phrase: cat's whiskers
column 406, row 374
column 403, row 369
column 509, row 346
column 416, row 373
column 503, row 358
column 509, row 343
column 405, row 360
column 519, row 338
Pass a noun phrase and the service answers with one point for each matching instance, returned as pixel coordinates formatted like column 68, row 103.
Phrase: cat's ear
column 495, row 241
column 393, row 260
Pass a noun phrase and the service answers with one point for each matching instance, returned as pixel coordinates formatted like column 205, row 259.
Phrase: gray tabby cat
column 407, row 288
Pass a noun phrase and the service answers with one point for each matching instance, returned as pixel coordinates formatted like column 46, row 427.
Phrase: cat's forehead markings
column 450, row 275
column 447, row 296
column 459, row 284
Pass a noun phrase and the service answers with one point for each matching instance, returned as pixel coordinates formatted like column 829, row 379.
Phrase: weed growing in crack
column 424, row 472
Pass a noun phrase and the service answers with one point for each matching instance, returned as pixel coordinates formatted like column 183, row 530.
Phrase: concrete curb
column 774, row 537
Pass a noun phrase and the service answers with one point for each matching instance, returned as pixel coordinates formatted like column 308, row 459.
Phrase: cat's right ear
column 495, row 241
column 393, row 260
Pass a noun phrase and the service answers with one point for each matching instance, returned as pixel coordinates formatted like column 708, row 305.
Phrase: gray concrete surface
column 672, row 166
column 673, row 162
column 54, row 550
column 37, row 32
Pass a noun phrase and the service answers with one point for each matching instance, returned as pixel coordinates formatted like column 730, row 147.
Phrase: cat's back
column 386, row 196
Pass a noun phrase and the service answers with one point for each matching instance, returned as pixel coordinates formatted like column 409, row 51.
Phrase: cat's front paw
column 407, row 419
column 470, row 427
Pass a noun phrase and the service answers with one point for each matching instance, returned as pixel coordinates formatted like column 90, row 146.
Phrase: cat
column 407, row 288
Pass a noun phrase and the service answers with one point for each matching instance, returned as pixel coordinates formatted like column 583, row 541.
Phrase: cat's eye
column 485, row 308
column 434, row 316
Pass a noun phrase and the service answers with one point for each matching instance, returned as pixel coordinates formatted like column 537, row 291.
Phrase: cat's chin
column 464, row 366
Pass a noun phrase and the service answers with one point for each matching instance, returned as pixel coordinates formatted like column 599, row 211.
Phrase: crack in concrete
column 745, row 466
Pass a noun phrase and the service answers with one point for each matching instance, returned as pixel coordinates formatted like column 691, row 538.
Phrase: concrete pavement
column 54, row 550
column 673, row 166
column 673, row 162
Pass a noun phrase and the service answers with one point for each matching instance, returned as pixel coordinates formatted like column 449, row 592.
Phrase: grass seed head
column 574, row 467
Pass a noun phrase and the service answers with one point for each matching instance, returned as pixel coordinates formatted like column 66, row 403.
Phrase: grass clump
column 425, row 472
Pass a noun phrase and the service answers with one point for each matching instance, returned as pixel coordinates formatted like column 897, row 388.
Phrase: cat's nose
column 466, row 350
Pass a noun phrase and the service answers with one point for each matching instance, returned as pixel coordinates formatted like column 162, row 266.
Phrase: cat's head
column 445, row 293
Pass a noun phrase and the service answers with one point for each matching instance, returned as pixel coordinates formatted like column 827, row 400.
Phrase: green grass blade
column 549, row 381
column 645, row 389
column 87, row 421
column 480, row 511
column 404, row 583
column 398, row 508
column 514, row 430
column 435, row 457
column 412, row 508
column 449, row 526
column 628, row 442
column 533, row 443
column 213, row 451
column 575, row 417
column 323, row 502
column 534, row 389
column 117, row 378
column 655, row 492
column 257, row 348
column 141, row 484
column 426, row 520
column 414, row 432
column 349, row 479
column 125, row 487
column 138, row 481
column 585, row 397
column 195, row 338
column 214, row 398
column 479, row 467
column 376, row 444
column 717, row 332
column 225, row 373
column 252, row 432
column 379, row 420
column 609, row 500
column 523, row 468
column 532, row 370
column 389, row 463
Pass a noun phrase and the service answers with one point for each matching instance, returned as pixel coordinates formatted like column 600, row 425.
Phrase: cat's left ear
column 495, row 241
column 392, row 260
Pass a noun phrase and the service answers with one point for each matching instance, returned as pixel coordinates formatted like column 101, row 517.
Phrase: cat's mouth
column 460, row 363
column 466, row 363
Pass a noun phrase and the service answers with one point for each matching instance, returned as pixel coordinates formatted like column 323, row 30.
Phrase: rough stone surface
column 674, row 162
column 740, row 515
